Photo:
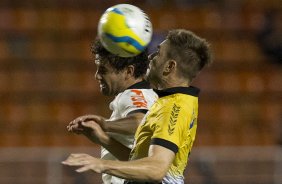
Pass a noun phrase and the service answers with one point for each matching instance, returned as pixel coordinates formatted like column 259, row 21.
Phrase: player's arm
column 94, row 132
column 152, row 168
column 127, row 125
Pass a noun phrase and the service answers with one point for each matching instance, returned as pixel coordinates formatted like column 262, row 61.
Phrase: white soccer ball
column 125, row 30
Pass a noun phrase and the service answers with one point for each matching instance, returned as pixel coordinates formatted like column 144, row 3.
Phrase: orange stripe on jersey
column 138, row 98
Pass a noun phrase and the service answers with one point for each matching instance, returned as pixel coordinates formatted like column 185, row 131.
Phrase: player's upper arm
column 137, row 116
column 136, row 100
column 162, row 158
column 126, row 125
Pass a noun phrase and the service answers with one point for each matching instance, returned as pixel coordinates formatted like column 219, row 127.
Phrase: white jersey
column 137, row 98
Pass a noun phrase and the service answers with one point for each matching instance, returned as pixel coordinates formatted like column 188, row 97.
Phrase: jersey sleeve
column 136, row 100
column 171, row 127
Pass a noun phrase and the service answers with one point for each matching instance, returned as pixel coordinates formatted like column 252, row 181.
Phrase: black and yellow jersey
column 171, row 122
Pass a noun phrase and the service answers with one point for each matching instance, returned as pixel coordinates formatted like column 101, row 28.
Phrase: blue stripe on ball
column 126, row 39
column 116, row 10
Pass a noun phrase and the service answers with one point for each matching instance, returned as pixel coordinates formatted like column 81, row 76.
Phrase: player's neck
column 171, row 83
column 132, row 81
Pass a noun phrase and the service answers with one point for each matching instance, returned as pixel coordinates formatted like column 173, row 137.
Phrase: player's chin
column 153, row 81
column 147, row 75
column 105, row 91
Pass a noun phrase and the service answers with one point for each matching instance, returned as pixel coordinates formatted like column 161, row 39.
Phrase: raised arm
column 127, row 125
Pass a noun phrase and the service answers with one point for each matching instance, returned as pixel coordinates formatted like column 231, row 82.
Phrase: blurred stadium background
column 47, row 80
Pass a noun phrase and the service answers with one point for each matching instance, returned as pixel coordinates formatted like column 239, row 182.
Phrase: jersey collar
column 193, row 91
column 140, row 85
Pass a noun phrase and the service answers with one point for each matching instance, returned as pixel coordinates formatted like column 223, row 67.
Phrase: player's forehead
column 103, row 63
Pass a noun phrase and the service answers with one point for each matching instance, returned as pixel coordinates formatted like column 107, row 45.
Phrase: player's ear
column 170, row 66
column 130, row 71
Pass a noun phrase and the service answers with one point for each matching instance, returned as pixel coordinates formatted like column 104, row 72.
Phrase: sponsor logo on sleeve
column 138, row 98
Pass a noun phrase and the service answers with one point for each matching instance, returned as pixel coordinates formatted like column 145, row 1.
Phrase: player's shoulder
column 139, row 92
column 142, row 88
column 134, row 94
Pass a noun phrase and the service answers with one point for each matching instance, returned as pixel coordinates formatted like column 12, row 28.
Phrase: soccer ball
column 125, row 30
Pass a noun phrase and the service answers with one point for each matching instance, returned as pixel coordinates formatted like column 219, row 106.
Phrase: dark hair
column 140, row 62
column 191, row 52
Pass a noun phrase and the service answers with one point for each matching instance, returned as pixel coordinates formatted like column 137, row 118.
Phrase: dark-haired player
column 123, row 78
